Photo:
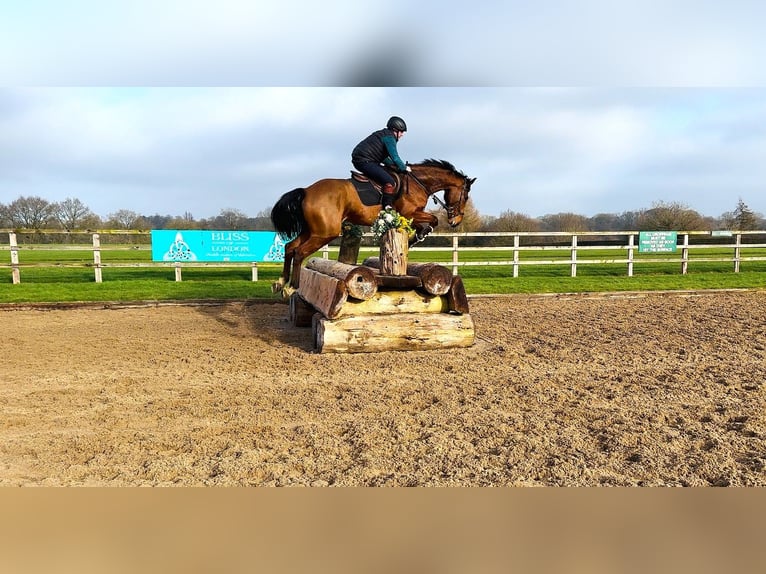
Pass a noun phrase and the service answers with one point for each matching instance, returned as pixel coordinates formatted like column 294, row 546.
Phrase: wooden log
column 300, row 311
column 348, row 252
column 436, row 279
column 398, row 332
column 394, row 252
column 391, row 302
column 326, row 294
column 360, row 281
column 396, row 281
column 457, row 299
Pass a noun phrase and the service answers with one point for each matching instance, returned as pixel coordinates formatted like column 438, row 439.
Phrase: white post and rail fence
column 509, row 249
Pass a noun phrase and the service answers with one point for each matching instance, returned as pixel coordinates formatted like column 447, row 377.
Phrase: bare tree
column 230, row 219
column 182, row 222
column 509, row 221
column 628, row 220
column 30, row 212
column 5, row 219
column 262, row 221
column 73, row 214
column 125, row 219
column 671, row 217
column 604, row 222
column 569, row 222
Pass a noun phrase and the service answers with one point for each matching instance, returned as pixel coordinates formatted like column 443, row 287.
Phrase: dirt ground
column 641, row 389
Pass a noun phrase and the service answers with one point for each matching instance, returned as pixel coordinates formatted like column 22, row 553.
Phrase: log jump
column 365, row 308
column 391, row 319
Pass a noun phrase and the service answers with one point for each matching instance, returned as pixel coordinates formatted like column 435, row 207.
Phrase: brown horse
column 312, row 217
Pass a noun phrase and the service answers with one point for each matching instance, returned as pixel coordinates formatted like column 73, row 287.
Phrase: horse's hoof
column 276, row 287
column 287, row 290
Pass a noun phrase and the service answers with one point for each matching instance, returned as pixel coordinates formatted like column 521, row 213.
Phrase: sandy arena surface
column 652, row 389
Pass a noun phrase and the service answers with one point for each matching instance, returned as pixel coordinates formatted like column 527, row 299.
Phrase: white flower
column 387, row 219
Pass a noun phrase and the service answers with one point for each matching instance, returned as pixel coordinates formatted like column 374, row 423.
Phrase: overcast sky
column 557, row 107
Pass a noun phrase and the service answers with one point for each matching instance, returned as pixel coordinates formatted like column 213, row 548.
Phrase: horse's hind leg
column 312, row 244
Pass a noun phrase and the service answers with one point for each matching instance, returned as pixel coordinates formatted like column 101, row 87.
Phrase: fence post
column 255, row 271
column 574, row 256
column 737, row 252
column 14, row 258
column 516, row 255
column 631, row 246
column 178, row 271
column 97, row 256
column 454, row 255
column 685, row 255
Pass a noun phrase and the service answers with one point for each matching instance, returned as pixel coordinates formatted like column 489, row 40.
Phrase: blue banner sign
column 194, row 245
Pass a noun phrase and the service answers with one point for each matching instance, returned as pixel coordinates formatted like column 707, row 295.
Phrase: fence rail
column 569, row 245
column 630, row 247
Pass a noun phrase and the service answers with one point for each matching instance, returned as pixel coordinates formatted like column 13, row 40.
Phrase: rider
column 380, row 147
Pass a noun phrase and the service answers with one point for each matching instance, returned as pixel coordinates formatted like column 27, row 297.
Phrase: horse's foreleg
column 424, row 223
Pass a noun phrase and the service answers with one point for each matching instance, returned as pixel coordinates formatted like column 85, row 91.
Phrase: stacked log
column 358, row 309
column 457, row 299
column 359, row 280
column 397, row 332
column 391, row 302
column 325, row 293
column 435, row 279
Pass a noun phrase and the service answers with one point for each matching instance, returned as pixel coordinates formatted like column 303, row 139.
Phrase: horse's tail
column 287, row 214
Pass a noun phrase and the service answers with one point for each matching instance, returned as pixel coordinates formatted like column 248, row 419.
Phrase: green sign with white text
column 657, row 241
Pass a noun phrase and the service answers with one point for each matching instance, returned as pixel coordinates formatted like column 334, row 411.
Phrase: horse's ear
column 472, row 180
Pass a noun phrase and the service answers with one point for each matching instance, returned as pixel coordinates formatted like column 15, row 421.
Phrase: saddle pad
column 368, row 195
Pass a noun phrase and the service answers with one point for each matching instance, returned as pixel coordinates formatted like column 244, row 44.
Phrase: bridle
column 451, row 209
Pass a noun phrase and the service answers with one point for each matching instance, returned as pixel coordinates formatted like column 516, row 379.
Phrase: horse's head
column 436, row 175
column 456, row 197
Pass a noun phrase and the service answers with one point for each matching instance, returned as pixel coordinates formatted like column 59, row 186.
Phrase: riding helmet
column 396, row 123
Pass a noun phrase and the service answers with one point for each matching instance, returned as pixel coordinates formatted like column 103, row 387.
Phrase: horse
column 309, row 218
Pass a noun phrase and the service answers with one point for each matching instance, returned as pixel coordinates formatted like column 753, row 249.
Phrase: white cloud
column 535, row 151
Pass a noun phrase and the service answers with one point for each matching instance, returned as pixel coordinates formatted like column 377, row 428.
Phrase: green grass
column 72, row 277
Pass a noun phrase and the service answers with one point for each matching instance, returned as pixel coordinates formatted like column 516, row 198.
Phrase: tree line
column 36, row 213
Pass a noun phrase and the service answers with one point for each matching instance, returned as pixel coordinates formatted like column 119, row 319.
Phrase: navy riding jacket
column 378, row 147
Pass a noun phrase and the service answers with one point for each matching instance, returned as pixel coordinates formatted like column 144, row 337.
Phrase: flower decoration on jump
column 389, row 218
column 349, row 229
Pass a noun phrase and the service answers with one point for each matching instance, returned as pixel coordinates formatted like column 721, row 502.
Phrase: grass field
column 53, row 275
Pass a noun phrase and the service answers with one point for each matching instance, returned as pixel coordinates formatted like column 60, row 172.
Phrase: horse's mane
column 440, row 163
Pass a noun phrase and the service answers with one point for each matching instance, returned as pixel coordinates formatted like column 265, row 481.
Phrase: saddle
column 370, row 190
